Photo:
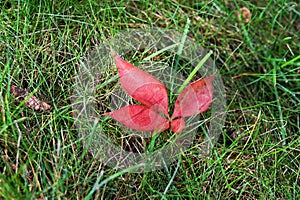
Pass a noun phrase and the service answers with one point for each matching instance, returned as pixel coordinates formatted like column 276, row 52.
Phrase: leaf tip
column 113, row 52
column 178, row 125
column 106, row 114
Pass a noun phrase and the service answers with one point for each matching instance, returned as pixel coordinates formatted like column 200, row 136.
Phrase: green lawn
column 257, row 155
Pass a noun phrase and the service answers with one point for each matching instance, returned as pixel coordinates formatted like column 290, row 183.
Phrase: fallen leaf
column 153, row 114
column 194, row 99
column 142, row 86
column 177, row 125
column 32, row 102
column 140, row 118
column 244, row 14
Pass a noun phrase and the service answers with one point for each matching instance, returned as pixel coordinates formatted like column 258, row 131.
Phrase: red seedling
column 153, row 114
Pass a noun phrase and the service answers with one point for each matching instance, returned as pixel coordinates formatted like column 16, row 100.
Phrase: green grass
column 257, row 155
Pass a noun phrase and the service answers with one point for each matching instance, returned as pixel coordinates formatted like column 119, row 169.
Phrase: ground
column 257, row 154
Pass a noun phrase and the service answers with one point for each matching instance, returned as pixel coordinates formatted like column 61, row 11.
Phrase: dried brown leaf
column 32, row 102
column 244, row 15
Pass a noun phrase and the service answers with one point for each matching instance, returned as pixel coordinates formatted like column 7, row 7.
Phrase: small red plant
column 152, row 114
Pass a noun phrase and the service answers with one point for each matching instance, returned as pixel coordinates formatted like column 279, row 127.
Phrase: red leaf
column 142, row 86
column 195, row 98
column 146, row 89
column 177, row 125
column 140, row 118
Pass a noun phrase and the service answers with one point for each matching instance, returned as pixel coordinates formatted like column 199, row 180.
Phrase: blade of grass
column 192, row 74
column 160, row 51
column 282, row 128
column 183, row 39
column 98, row 185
